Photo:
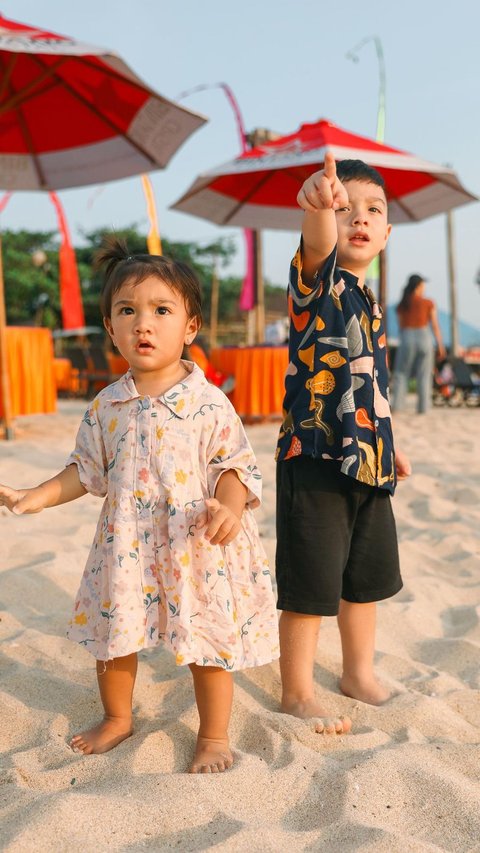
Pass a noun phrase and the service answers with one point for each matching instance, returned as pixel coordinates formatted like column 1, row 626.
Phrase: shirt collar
column 181, row 399
column 351, row 281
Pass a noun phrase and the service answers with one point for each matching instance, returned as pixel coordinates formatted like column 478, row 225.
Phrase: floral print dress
column 151, row 575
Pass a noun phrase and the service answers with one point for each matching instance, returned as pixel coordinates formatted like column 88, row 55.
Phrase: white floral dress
column 151, row 576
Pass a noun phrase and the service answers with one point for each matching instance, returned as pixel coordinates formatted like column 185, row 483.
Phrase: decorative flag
column 70, row 292
column 4, row 201
column 248, row 296
column 153, row 239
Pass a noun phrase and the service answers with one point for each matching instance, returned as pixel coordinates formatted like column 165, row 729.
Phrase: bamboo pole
column 214, row 305
column 260, row 288
column 452, row 283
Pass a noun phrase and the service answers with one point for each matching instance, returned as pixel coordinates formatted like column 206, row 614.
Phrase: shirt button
column 376, row 372
column 376, row 423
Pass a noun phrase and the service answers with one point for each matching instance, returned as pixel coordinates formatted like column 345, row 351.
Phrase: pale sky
column 285, row 61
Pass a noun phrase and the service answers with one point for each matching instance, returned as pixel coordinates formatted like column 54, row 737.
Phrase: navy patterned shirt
column 336, row 401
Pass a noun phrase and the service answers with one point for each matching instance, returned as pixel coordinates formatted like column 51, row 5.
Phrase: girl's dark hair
column 123, row 268
column 413, row 282
column 357, row 170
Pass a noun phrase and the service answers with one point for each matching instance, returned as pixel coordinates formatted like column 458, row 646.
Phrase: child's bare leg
column 116, row 679
column 357, row 629
column 214, row 695
column 298, row 644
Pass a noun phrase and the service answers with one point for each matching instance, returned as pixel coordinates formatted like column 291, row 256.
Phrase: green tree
column 31, row 291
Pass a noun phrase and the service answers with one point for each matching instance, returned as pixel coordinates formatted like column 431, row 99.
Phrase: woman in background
column 417, row 317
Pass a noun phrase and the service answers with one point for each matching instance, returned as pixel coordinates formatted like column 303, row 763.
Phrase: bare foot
column 369, row 691
column 211, row 756
column 101, row 738
column 311, row 708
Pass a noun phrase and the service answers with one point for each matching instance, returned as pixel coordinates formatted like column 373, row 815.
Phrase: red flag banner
column 70, row 293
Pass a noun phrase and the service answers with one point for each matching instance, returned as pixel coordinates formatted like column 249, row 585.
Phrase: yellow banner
column 153, row 238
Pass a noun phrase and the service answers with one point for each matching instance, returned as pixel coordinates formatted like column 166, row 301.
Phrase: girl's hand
column 20, row 501
column 402, row 464
column 323, row 190
column 223, row 524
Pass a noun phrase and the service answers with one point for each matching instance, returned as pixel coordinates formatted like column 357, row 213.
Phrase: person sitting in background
column 417, row 317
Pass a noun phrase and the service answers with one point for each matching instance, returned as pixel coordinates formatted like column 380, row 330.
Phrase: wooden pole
column 382, row 285
column 452, row 282
column 4, row 377
column 260, row 289
column 214, row 305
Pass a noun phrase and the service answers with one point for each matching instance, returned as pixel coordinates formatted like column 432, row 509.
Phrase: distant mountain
column 468, row 335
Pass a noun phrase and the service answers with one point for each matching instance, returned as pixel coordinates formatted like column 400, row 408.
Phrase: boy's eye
column 342, row 209
column 125, row 309
column 375, row 210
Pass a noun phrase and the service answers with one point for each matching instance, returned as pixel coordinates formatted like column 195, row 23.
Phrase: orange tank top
column 417, row 315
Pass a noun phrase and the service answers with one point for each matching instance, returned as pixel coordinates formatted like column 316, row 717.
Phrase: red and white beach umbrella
column 259, row 189
column 73, row 114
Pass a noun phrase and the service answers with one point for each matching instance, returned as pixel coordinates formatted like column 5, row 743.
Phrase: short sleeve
column 229, row 449
column 305, row 293
column 89, row 455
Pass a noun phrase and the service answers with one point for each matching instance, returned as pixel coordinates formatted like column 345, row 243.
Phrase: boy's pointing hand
column 323, row 190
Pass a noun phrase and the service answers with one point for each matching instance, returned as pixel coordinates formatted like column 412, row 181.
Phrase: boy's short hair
column 123, row 268
column 357, row 170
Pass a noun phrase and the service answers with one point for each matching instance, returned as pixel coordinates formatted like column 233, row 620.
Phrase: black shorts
column 336, row 538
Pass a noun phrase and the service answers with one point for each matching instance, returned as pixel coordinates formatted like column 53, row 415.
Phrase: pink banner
column 248, row 296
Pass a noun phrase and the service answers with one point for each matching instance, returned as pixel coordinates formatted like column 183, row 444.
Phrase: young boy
column 337, row 548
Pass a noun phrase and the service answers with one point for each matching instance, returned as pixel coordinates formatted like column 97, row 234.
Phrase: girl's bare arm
column 62, row 488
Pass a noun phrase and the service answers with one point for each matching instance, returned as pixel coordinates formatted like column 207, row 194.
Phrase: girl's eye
column 162, row 310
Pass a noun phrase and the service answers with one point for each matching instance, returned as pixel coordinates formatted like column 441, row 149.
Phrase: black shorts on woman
column 336, row 536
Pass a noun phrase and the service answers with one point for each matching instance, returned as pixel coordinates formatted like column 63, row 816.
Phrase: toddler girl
column 176, row 555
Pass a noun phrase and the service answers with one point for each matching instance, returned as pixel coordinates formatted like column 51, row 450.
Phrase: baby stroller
column 456, row 383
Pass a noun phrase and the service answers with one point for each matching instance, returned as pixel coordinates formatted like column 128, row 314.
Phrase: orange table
column 259, row 378
column 63, row 374
column 31, row 370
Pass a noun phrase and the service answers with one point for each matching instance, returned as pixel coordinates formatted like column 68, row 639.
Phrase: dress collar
column 181, row 399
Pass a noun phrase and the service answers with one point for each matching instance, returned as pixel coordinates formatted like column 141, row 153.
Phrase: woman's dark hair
column 357, row 170
column 123, row 268
column 413, row 282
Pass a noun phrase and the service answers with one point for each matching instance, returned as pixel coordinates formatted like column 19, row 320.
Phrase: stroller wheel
column 456, row 399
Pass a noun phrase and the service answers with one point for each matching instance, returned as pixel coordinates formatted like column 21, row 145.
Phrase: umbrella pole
column 4, row 377
column 214, row 306
column 452, row 285
column 259, row 289
column 382, row 285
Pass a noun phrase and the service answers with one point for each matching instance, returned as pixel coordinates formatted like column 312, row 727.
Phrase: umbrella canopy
column 73, row 114
column 259, row 188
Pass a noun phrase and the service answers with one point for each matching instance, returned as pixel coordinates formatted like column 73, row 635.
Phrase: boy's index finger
column 330, row 167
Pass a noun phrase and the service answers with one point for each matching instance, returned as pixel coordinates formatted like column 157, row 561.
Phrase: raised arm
column 62, row 488
column 321, row 195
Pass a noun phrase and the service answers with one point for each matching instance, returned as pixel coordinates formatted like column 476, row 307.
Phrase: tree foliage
column 32, row 292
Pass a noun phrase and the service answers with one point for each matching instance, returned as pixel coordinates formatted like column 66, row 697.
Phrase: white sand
column 406, row 779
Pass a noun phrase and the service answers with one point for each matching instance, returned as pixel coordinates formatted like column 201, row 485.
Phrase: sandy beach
column 406, row 779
